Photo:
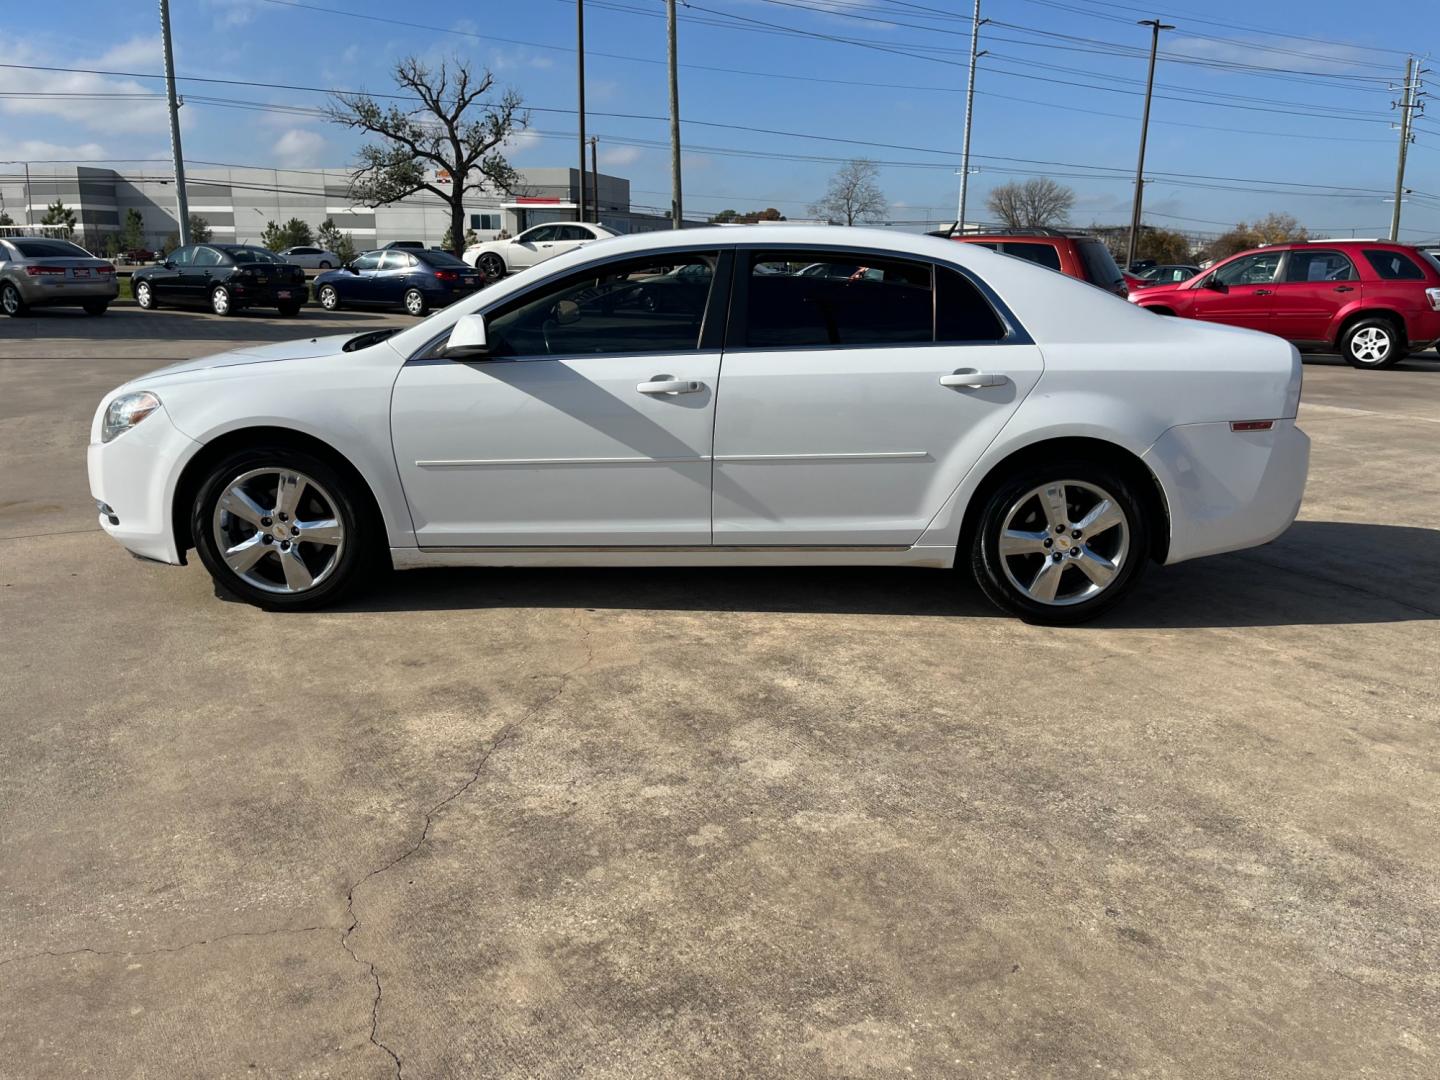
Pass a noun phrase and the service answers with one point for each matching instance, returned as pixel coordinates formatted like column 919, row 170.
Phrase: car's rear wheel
column 324, row 265
column 145, row 296
column 288, row 310
column 11, row 302
column 415, row 302
column 329, row 298
column 1059, row 543
column 283, row 529
column 95, row 307
column 491, row 265
column 220, row 301
column 1372, row 343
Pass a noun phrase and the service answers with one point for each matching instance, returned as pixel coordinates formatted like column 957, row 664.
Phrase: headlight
column 125, row 412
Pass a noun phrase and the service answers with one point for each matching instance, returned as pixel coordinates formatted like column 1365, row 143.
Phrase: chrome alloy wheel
column 415, row 302
column 278, row 530
column 220, row 301
column 1370, row 345
column 1064, row 542
column 142, row 294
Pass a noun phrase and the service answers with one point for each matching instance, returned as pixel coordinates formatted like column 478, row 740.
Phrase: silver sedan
column 311, row 258
column 44, row 271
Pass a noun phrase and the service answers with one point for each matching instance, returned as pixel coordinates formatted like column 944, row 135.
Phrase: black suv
column 223, row 277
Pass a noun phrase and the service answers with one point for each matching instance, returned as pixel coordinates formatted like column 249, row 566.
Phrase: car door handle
column 973, row 379
column 1262, row 292
column 1343, row 288
column 665, row 384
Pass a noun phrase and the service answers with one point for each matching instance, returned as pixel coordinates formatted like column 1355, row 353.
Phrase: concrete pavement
column 805, row 823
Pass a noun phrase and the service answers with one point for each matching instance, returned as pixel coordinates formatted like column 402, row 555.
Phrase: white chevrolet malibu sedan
column 693, row 399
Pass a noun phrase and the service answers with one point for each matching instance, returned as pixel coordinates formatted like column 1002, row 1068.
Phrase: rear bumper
column 40, row 291
column 269, row 295
column 1229, row 490
column 135, row 475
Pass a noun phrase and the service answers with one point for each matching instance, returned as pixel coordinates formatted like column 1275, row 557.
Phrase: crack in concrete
column 507, row 733
column 158, row 950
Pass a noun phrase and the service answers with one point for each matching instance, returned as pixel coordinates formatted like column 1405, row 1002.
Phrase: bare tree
column 853, row 194
column 1037, row 202
column 450, row 144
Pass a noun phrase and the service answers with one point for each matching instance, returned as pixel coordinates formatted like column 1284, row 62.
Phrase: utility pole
column 595, row 175
column 182, row 201
column 1407, row 107
column 28, row 220
column 580, row 72
column 969, row 115
column 676, row 206
column 1155, row 27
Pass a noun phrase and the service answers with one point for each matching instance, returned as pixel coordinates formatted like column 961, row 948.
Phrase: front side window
column 650, row 305
column 538, row 234
column 826, row 300
column 1394, row 266
column 1044, row 254
column 369, row 261
column 1318, row 266
column 1250, row 270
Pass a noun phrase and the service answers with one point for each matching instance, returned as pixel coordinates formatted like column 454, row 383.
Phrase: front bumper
column 135, row 475
column 1228, row 490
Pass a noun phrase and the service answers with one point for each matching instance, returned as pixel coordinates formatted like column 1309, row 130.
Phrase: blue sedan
column 414, row 280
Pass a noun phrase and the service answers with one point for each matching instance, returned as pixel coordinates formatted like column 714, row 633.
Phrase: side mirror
column 1214, row 284
column 169, row 264
column 467, row 339
column 566, row 312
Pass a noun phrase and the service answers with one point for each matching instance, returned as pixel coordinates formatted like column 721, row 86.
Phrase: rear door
column 198, row 278
column 1240, row 293
column 1315, row 284
column 388, row 281
column 852, row 405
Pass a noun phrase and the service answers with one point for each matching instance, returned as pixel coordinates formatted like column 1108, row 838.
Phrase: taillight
column 45, row 271
column 446, row 275
column 106, row 269
column 1251, row 425
column 1433, row 295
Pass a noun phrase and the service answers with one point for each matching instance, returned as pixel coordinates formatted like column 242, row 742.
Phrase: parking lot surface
column 789, row 823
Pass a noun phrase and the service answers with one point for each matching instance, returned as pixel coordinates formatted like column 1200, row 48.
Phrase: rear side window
column 1312, row 266
column 1394, row 266
column 49, row 249
column 1044, row 254
column 837, row 301
column 1099, row 266
column 961, row 313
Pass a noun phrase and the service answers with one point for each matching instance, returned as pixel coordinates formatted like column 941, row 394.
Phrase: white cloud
column 299, row 148
column 111, row 105
column 519, row 143
column 40, row 150
column 621, row 155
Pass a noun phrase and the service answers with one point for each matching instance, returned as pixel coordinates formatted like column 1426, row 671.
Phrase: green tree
column 6, row 219
column 328, row 235
column 471, row 237
column 449, row 146
column 294, row 233
column 110, row 246
column 132, row 233
column 57, row 213
column 200, row 232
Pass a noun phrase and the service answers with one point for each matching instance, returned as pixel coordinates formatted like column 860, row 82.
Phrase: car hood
column 304, row 349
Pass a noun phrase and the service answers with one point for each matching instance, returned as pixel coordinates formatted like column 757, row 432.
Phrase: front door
column 853, row 403
column 1312, row 289
column 589, row 425
column 533, row 246
column 1240, row 293
column 358, row 284
column 165, row 278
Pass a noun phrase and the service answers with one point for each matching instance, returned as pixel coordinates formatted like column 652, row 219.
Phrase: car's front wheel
column 11, row 302
column 145, row 296
column 1061, row 542
column 329, row 298
column 1372, row 343
column 283, row 529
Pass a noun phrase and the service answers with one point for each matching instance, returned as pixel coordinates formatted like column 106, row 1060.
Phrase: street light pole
column 182, row 202
column 580, row 73
column 1155, row 27
column 676, row 208
column 969, row 116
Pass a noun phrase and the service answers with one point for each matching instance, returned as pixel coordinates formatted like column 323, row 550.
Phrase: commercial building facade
column 236, row 203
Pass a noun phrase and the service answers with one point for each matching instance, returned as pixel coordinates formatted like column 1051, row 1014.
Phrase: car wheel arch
column 1350, row 318
column 1113, row 454
column 192, row 476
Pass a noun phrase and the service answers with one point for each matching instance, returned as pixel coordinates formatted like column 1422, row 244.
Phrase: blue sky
column 1295, row 92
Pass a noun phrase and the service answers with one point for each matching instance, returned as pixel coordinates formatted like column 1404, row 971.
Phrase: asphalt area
column 664, row 823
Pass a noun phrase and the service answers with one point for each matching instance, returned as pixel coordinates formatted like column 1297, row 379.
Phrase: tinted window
column 1250, row 270
column 181, row 256
column 206, row 257
column 881, row 302
column 1043, row 254
column 49, row 249
column 485, row 221
column 1310, row 266
column 1394, row 266
column 961, row 312
column 369, row 261
column 639, row 306
column 1098, row 264
column 443, row 258
column 575, row 232
column 543, row 232
column 252, row 254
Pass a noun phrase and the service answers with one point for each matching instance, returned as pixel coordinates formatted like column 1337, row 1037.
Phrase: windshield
column 442, row 258
column 252, row 254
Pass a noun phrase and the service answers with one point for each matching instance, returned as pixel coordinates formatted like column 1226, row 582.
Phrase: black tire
column 145, row 295
column 11, row 302
column 358, row 558
column 95, row 307
column 491, row 265
column 1373, row 343
column 415, row 303
column 221, row 302
column 1072, row 605
column 329, row 297
column 324, row 265
column 289, row 311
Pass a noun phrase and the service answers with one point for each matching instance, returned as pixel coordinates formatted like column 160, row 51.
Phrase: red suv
column 1372, row 300
column 1075, row 254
